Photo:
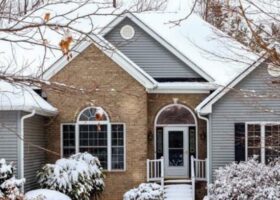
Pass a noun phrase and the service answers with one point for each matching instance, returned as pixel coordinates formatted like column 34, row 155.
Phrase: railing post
column 148, row 170
column 193, row 177
column 162, row 171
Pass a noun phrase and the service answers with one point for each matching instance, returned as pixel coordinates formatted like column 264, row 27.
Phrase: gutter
column 22, row 143
column 208, row 149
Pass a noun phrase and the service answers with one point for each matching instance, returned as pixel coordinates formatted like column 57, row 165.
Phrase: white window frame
column 109, row 138
column 262, row 124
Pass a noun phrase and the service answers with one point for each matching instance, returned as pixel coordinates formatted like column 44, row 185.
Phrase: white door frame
column 176, row 171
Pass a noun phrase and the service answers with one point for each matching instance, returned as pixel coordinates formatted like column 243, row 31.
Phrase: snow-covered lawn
column 45, row 194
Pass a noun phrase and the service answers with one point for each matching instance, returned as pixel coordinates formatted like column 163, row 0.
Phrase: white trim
column 177, row 125
column 205, row 107
column 108, row 49
column 262, row 124
column 93, row 122
column 63, row 61
column 61, row 136
column 158, row 38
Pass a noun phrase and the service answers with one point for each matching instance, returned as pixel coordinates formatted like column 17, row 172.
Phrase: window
column 93, row 133
column 263, row 140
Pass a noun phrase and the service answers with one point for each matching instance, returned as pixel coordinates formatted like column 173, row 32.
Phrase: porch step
column 178, row 192
column 177, row 181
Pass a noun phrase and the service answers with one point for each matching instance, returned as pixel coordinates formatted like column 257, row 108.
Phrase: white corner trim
column 205, row 107
column 158, row 38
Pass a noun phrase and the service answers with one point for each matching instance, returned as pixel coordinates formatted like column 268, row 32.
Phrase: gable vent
column 127, row 32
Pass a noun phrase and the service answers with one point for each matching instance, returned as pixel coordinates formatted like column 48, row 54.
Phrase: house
column 171, row 111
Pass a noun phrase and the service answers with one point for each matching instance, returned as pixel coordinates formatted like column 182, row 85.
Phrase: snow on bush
column 44, row 194
column 145, row 191
column 246, row 180
column 9, row 185
column 79, row 176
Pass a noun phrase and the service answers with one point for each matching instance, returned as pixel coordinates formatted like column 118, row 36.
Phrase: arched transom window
column 175, row 114
column 96, row 134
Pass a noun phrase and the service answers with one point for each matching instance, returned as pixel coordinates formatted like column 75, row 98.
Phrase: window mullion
column 109, row 147
column 262, row 143
column 77, row 135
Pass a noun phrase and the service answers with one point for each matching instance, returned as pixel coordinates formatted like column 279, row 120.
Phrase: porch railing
column 198, row 172
column 155, row 171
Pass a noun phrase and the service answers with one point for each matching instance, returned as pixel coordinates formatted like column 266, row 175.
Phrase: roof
column 23, row 98
column 215, row 56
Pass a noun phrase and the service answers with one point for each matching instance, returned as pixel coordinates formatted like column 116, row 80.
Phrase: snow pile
column 246, row 180
column 44, row 194
column 145, row 191
column 9, row 185
column 79, row 176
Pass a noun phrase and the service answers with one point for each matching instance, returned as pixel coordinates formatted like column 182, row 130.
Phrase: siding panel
column 235, row 108
column 34, row 158
column 149, row 54
column 9, row 127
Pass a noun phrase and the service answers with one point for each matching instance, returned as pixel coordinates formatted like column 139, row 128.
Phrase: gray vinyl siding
column 149, row 54
column 34, row 158
column 234, row 108
column 9, row 128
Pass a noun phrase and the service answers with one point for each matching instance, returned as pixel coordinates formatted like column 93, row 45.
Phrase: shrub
column 9, row 185
column 79, row 176
column 145, row 191
column 246, row 180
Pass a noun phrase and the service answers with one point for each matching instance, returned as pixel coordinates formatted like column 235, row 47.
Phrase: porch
column 177, row 188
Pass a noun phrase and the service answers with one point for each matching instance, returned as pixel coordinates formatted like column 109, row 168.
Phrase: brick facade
column 125, row 100
column 122, row 97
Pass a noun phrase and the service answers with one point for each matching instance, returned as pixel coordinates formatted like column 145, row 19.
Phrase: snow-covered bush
column 145, row 191
column 79, row 176
column 9, row 185
column 246, row 180
column 44, row 194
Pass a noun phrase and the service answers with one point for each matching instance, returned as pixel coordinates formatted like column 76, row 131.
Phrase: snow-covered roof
column 216, row 55
column 23, row 98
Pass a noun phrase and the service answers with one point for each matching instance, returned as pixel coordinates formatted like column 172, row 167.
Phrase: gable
column 149, row 54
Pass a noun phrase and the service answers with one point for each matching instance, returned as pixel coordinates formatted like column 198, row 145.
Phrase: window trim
column 262, row 124
column 109, row 137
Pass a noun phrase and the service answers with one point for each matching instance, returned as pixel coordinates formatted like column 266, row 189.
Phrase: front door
column 176, row 156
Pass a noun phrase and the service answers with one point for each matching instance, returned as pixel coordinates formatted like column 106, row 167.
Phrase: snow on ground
column 44, row 194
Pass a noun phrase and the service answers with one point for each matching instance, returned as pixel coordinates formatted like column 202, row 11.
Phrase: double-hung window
column 263, row 140
column 95, row 134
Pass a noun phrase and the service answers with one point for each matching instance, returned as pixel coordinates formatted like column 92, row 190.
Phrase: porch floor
column 178, row 192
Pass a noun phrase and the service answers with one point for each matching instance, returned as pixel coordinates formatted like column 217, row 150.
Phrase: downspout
column 22, row 143
column 208, row 148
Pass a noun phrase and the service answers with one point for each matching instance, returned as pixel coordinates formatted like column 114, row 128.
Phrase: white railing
column 198, row 172
column 155, row 171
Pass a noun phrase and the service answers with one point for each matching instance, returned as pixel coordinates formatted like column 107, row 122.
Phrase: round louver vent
column 273, row 70
column 127, row 32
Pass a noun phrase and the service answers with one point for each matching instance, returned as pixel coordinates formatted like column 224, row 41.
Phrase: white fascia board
column 158, row 38
column 205, row 107
column 46, row 113
column 183, row 88
column 63, row 61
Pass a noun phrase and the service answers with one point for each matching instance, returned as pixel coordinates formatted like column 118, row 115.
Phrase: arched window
column 175, row 114
column 94, row 133
column 94, row 115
